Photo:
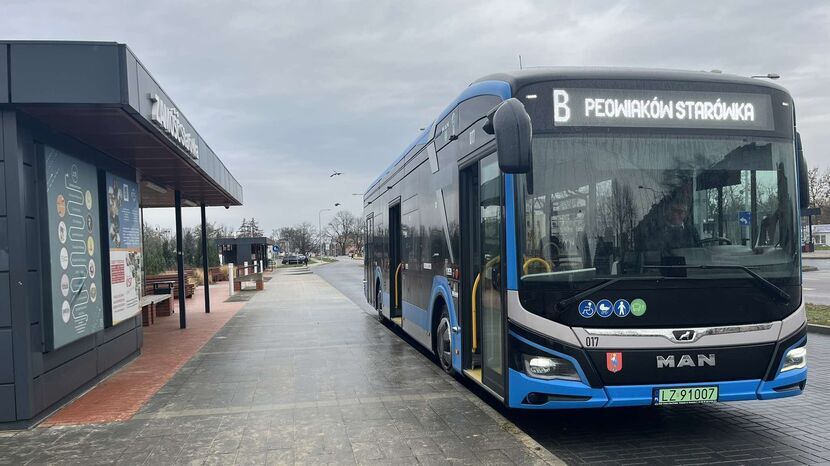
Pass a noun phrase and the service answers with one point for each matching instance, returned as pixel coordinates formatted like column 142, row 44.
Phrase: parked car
column 292, row 259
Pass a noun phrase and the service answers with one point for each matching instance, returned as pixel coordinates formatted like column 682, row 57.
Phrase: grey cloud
column 287, row 91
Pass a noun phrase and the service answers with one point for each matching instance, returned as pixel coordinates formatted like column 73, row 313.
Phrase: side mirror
column 511, row 125
column 803, row 179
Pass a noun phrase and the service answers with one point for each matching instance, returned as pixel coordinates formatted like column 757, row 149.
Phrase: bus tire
column 443, row 341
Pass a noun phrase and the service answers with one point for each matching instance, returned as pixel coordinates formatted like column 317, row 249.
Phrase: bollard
column 230, row 277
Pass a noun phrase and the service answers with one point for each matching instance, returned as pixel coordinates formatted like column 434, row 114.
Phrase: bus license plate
column 680, row 395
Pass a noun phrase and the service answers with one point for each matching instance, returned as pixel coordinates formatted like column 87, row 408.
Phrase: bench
column 155, row 305
column 154, row 284
column 253, row 277
column 217, row 274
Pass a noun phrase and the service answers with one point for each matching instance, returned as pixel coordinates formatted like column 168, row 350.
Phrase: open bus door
column 395, row 263
column 483, row 323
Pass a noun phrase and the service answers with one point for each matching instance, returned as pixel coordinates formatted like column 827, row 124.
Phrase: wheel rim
column 444, row 343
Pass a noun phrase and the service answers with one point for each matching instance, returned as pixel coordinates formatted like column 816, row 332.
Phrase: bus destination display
column 662, row 109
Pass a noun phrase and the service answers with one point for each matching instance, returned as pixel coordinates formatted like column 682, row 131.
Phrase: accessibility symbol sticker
column 605, row 308
column 622, row 308
column 638, row 307
column 587, row 308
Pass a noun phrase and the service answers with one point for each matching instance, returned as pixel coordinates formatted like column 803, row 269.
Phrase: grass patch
column 818, row 314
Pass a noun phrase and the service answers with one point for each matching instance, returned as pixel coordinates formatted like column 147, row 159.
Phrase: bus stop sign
column 745, row 217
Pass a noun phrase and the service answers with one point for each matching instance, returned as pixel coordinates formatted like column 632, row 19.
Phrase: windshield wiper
column 561, row 305
column 762, row 282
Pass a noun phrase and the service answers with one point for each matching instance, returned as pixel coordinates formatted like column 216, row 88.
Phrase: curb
column 545, row 455
column 815, row 328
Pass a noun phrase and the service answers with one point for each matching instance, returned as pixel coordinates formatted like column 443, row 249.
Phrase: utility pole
column 320, row 228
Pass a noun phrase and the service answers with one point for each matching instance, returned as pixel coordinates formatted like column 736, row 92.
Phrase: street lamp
column 320, row 228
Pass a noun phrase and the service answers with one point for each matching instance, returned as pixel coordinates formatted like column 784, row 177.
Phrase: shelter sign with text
column 124, row 231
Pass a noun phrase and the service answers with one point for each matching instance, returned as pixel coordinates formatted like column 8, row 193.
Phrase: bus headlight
column 549, row 367
column 795, row 358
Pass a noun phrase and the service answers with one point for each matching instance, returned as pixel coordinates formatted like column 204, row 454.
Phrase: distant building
column 821, row 235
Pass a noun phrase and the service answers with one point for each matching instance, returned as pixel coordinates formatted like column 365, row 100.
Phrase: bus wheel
column 379, row 306
column 443, row 343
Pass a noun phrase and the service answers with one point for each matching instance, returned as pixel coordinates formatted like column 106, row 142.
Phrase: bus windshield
column 610, row 206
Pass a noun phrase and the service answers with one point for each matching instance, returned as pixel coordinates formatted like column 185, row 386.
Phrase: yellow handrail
column 475, row 333
column 397, row 295
column 489, row 264
column 534, row 260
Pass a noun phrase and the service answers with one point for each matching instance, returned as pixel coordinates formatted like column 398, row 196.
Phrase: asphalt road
column 787, row 431
column 817, row 284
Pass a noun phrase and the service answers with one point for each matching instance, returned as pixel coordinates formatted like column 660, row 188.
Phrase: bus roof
column 519, row 78
column 505, row 84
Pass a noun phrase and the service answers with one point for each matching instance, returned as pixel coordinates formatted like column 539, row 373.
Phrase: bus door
column 395, row 263
column 481, row 236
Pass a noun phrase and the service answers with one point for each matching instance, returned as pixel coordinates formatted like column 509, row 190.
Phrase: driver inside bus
column 676, row 231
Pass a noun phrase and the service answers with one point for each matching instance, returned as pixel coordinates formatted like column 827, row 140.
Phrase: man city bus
column 579, row 237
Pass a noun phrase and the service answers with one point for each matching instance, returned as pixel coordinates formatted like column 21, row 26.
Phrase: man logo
column 684, row 335
column 686, row 361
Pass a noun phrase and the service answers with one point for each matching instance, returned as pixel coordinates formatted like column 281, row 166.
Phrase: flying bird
column 334, row 173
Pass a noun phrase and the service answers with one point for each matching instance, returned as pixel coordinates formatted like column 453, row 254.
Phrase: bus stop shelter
column 241, row 250
column 88, row 138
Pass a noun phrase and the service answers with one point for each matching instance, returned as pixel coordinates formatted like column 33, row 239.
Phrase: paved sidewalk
column 300, row 375
column 166, row 349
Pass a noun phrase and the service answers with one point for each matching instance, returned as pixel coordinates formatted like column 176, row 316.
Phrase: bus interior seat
column 603, row 256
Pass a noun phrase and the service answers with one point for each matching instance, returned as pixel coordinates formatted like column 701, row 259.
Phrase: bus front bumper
column 530, row 393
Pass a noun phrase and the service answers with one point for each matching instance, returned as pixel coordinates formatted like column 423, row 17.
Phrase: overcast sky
column 286, row 92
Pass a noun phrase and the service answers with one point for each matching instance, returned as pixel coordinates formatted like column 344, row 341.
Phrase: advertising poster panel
column 124, row 231
column 74, row 248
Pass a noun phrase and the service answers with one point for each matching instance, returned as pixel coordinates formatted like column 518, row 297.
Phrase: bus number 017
column 592, row 342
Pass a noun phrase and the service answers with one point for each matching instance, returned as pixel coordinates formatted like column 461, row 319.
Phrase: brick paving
column 299, row 376
column 786, row 431
column 166, row 349
column 302, row 376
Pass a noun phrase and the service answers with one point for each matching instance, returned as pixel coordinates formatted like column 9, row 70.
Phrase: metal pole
column 180, row 260
column 810, row 220
column 205, row 268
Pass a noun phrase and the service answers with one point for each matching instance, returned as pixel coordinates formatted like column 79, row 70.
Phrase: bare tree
column 819, row 187
column 359, row 236
column 341, row 229
column 300, row 237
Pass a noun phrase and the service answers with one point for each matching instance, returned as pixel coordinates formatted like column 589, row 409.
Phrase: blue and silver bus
column 583, row 237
